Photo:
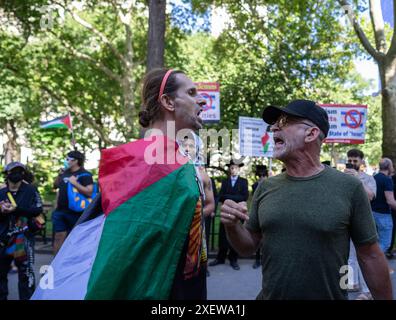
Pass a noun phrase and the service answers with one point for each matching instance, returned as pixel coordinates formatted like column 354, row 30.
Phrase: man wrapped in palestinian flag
column 143, row 238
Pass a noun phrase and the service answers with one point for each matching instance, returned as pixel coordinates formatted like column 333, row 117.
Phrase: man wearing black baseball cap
column 20, row 204
column 64, row 218
column 299, row 109
column 306, row 216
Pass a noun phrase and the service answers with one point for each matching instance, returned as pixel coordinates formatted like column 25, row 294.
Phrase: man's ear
column 167, row 103
column 312, row 134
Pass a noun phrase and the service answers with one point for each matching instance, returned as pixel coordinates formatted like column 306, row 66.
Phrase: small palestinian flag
column 130, row 249
column 61, row 122
column 265, row 140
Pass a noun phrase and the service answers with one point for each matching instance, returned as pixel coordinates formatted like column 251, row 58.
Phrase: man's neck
column 14, row 186
column 385, row 172
column 166, row 128
column 305, row 166
column 74, row 169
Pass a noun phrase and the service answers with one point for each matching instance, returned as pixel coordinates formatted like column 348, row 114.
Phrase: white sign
column 210, row 91
column 255, row 140
column 347, row 123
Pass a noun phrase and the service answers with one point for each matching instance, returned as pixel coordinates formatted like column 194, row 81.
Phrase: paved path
column 245, row 284
column 224, row 283
column 41, row 259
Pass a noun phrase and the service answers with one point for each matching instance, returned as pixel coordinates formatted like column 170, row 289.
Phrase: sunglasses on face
column 285, row 120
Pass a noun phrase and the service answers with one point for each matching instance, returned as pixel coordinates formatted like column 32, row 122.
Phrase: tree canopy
column 88, row 57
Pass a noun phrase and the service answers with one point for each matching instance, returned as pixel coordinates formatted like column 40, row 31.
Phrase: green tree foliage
column 269, row 53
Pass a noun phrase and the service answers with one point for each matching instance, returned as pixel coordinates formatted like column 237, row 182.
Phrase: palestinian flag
column 61, row 122
column 131, row 249
column 265, row 140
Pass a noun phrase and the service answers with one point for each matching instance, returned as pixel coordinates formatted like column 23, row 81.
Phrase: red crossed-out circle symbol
column 208, row 99
column 353, row 119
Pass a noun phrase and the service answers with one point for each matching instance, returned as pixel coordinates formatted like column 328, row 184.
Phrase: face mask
column 15, row 177
column 66, row 164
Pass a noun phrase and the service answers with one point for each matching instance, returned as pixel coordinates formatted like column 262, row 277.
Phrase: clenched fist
column 231, row 212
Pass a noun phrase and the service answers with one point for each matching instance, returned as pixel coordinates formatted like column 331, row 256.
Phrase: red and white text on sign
column 347, row 123
column 210, row 91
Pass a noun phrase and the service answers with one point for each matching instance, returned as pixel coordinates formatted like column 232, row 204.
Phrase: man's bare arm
column 375, row 270
column 243, row 240
column 209, row 204
column 85, row 190
column 390, row 199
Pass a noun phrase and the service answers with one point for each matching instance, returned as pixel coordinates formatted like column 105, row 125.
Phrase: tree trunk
column 11, row 149
column 156, row 38
column 128, row 86
column 156, row 34
column 388, row 82
column 129, row 106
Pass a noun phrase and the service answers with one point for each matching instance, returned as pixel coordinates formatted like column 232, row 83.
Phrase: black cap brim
column 13, row 165
column 272, row 113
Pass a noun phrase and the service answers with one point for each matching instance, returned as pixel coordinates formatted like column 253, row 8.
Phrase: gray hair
column 385, row 164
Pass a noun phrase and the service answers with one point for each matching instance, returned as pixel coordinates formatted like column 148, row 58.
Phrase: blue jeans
column 384, row 225
column 64, row 221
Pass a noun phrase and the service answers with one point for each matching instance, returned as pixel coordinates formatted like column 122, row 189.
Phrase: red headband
column 163, row 83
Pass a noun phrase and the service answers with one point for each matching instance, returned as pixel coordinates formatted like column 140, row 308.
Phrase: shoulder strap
column 83, row 175
column 11, row 198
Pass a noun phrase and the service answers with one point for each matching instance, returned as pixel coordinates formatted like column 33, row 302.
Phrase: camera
column 349, row 166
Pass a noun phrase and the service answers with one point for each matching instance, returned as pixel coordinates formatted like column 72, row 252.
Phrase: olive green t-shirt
column 306, row 224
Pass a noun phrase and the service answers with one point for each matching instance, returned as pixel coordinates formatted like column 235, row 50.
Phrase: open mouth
column 278, row 141
column 199, row 119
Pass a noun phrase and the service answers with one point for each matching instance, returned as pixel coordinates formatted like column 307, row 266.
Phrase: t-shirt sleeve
column 362, row 227
column 388, row 184
column 86, row 180
column 253, row 223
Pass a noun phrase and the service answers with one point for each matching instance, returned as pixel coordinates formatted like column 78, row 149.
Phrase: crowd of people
column 302, row 227
column 21, row 217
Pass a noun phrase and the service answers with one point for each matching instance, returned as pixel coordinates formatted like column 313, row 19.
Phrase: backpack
column 77, row 201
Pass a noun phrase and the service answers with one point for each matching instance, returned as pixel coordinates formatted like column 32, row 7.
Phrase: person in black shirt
column 389, row 252
column 234, row 188
column 383, row 203
column 63, row 218
column 20, row 203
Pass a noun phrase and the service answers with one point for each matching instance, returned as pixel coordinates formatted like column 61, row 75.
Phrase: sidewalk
column 42, row 248
column 224, row 283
